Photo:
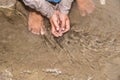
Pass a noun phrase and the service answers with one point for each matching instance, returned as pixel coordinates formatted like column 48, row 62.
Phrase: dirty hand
column 64, row 22
column 85, row 6
column 55, row 21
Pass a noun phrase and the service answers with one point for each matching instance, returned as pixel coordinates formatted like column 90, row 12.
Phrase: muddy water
column 7, row 3
column 89, row 51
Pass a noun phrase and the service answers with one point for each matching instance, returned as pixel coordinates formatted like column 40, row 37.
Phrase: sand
column 89, row 51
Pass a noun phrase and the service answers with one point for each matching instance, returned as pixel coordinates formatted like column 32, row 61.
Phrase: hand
column 54, row 20
column 85, row 6
column 65, row 23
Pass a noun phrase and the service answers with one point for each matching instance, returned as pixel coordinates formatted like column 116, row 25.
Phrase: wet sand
column 89, row 51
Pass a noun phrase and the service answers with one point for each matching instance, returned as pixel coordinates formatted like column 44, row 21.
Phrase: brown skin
column 35, row 23
column 60, row 22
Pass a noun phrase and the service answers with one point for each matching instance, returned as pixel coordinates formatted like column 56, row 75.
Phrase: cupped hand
column 55, row 23
column 64, row 23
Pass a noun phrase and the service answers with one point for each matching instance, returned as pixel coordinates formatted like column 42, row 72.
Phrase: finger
column 53, row 30
column 59, row 31
column 67, row 25
column 35, row 31
column 63, row 24
column 56, row 24
column 56, row 33
column 42, row 30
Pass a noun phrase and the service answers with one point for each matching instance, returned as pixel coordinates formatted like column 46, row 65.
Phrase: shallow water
column 89, row 51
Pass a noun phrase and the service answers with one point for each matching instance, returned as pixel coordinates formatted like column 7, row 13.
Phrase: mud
column 89, row 51
column 7, row 3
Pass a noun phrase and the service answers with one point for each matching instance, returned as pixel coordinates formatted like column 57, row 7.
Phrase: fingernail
column 57, row 29
column 63, row 29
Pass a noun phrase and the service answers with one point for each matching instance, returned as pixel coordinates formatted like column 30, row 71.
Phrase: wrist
column 51, row 13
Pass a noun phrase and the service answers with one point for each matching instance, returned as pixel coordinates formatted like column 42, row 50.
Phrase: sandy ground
column 89, row 51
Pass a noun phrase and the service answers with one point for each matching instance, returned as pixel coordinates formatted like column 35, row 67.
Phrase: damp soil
column 89, row 51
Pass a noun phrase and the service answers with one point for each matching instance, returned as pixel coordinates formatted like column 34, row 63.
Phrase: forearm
column 42, row 6
column 65, row 5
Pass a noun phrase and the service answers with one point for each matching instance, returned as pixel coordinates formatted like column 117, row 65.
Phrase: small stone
column 53, row 71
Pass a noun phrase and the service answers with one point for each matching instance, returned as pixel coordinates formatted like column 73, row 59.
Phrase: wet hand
column 55, row 21
column 64, row 23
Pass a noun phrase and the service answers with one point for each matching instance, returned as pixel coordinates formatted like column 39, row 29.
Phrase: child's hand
column 64, row 22
column 60, row 23
column 55, row 21
column 85, row 6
